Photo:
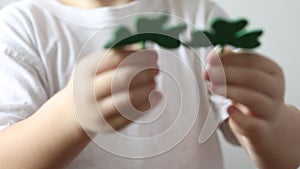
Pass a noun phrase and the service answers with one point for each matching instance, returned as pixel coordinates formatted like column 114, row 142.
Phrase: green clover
column 223, row 33
column 121, row 38
column 149, row 29
column 233, row 33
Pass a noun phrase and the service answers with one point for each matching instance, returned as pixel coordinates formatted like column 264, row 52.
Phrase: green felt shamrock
column 121, row 38
column 149, row 29
column 223, row 33
column 233, row 33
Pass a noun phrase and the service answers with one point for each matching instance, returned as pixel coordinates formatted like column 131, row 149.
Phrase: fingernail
column 156, row 71
column 232, row 110
column 206, row 75
column 153, row 81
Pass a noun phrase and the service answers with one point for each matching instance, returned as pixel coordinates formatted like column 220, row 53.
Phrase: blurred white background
column 281, row 41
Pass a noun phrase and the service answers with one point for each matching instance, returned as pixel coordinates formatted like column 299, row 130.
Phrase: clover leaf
column 248, row 40
column 221, row 25
column 233, row 33
column 120, row 38
column 149, row 29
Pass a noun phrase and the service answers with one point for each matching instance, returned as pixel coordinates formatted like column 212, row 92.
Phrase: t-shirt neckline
column 96, row 18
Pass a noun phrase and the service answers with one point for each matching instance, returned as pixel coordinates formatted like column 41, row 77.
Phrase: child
column 40, row 41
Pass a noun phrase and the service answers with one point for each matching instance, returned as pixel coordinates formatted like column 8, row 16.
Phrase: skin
column 264, row 124
column 37, row 143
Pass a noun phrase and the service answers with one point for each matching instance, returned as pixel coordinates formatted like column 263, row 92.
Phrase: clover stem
column 143, row 44
column 222, row 49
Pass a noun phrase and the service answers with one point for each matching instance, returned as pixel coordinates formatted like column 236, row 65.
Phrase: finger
column 261, row 105
column 103, row 60
column 144, row 77
column 115, row 123
column 118, row 121
column 126, row 103
column 248, row 78
column 246, row 60
column 143, row 58
column 122, row 79
column 213, row 57
column 106, row 60
column 244, row 124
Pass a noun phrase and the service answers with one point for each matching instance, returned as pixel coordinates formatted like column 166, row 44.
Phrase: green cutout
column 233, row 33
column 149, row 29
column 220, row 25
column 223, row 33
column 248, row 40
column 120, row 38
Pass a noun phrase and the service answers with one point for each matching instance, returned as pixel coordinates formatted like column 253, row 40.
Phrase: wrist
column 289, row 138
column 63, row 105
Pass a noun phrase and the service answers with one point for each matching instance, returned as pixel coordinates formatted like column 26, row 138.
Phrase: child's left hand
column 264, row 125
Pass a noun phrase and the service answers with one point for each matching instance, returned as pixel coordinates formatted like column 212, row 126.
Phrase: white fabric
column 40, row 41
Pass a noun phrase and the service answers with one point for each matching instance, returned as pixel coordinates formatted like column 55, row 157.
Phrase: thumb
column 243, row 123
column 213, row 57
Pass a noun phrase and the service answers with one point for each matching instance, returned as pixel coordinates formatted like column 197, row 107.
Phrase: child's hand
column 102, row 86
column 54, row 136
column 262, row 122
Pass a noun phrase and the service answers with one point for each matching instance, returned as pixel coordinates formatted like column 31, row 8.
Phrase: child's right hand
column 53, row 136
column 266, row 127
column 96, row 76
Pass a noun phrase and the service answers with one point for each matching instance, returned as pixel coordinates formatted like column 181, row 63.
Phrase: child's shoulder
column 18, row 24
column 20, row 12
column 23, row 17
column 21, row 7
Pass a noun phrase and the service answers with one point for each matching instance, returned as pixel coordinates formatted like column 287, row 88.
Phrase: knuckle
column 252, row 103
column 251, row 129
column 220, row 75
column 144, row 107
column 250, row 78
column 127, row 76
column 117, row 58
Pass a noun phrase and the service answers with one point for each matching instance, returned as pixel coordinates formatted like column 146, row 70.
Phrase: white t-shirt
column 40, row 41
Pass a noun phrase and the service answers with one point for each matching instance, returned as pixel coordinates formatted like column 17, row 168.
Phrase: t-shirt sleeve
column 22, row 84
